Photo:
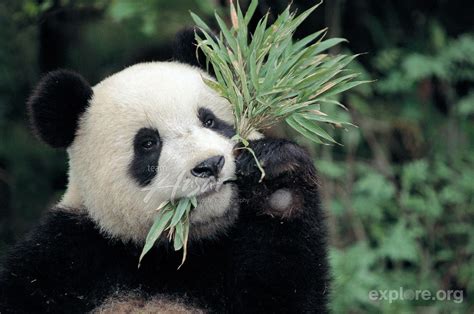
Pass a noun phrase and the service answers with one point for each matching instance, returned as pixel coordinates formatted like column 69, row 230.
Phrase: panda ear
column 184, row 48
column 55, row 106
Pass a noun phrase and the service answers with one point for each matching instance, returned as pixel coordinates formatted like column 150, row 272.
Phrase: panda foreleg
column 279, row 260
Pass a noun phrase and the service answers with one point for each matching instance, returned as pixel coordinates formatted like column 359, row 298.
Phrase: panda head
column 152, row 132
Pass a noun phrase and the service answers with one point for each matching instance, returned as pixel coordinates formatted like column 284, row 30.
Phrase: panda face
column 151, row 133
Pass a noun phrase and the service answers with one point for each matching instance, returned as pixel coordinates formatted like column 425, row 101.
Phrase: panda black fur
column 254, row 247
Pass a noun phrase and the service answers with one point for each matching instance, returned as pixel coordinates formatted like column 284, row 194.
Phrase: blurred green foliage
column 399, row 192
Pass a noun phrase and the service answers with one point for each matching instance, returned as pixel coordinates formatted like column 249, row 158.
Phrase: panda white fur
column 120, row 182
column 152, row 132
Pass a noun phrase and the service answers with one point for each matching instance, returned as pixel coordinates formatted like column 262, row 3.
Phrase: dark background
column 399, row 192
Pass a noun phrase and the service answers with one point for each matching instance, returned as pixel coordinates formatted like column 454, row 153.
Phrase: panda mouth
column 210, row 191
column 207, row 193
column 230, row 181
column 215, row 188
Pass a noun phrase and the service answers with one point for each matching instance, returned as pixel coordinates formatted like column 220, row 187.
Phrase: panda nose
column 209, row 167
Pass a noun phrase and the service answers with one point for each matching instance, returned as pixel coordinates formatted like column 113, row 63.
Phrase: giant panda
column 148, row 133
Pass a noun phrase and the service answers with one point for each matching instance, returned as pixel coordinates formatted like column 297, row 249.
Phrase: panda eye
column 148, row 144
column 209, row 123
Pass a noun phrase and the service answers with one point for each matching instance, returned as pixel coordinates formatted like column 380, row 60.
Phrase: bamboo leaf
column 163, row 205
column 313, row 128
column 199, row 22
column 185, row 241
column 193, row 202
column 300, row 129
column 328, row 43
column 179, row 212
column 230, row 40
column 308, row 39
column 179, row 236
column 344, row 88
column 250, row 11
column 160, row 224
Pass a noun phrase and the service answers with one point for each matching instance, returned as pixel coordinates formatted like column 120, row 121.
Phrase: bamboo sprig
column 174, row 218
column 270, row 77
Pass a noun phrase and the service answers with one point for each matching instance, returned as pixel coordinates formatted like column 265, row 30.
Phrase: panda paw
column 280, row 159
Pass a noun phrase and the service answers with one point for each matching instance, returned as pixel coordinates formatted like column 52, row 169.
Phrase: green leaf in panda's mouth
column 173, row 218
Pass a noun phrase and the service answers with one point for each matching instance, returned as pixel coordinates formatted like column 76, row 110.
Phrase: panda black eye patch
column 210, row 121
column 146, row 153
